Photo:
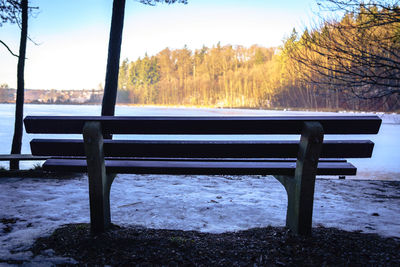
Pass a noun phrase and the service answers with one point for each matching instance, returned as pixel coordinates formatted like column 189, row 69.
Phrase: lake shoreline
column 284, row 109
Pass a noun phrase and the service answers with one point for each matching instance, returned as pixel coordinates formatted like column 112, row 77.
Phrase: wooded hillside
column 296, row 75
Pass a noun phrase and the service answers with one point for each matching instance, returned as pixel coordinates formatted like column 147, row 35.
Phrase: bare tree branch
column 360, row 52
column 9, row 50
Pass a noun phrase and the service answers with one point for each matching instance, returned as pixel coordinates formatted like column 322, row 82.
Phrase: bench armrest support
column 99, row 181
column 300, row 188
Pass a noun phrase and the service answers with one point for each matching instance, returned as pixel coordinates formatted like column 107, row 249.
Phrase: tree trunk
column 19, row 107
column 114, row 51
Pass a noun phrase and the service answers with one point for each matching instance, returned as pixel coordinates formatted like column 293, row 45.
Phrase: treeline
column 223, row 76
column 236, row 76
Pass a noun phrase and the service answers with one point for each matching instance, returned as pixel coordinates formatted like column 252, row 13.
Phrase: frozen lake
column 384, row 164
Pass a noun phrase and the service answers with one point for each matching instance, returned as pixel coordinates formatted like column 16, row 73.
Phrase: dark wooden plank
column 199, row 167
column 202, row 149
column 221, row 159
column 203, row 125
column 201, row 159
column 6, row 157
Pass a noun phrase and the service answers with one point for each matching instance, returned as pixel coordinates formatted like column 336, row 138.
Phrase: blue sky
column 73, row 35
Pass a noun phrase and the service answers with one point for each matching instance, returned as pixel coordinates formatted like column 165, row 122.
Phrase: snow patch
column 33, row 207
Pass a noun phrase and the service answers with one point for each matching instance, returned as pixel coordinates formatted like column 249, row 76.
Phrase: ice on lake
column 384, row 164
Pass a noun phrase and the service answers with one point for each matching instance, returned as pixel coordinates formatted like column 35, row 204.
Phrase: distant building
column 7, row 95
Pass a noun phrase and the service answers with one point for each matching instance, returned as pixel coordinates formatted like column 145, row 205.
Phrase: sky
column 72, row 36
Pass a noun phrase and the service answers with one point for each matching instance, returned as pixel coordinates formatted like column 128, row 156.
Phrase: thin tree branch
column 9, row 50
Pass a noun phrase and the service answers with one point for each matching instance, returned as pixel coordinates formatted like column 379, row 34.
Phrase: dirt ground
column 268, row 246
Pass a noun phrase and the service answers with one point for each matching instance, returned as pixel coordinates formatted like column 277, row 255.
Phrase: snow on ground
column 32, row 207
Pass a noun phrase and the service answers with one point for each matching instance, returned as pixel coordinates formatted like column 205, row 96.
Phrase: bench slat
column 203, row 125
column 200, row 159
column 202, row 149
column 222, row 159
column 199, row 167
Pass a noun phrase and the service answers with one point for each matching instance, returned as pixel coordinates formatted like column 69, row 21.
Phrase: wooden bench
column 294, row 163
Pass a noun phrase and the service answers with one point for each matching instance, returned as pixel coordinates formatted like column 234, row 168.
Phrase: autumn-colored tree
column 235, row 76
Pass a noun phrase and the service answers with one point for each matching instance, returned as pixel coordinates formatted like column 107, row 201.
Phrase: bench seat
column 187, row 167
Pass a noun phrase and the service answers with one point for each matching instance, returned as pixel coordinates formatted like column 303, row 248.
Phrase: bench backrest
column 201, row 126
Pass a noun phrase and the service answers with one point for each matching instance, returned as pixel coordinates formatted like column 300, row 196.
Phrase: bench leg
column 300, row 188
column 99, row 181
